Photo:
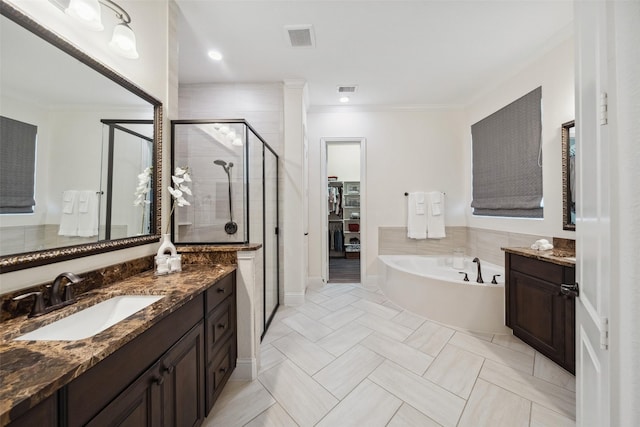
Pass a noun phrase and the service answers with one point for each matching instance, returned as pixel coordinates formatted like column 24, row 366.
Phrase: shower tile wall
column 476, row 241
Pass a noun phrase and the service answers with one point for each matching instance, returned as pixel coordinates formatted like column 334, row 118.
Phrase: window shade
column 17, row 166
column 507, row 177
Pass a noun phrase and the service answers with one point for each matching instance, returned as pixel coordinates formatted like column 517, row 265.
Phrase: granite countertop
column 31, row 371
column 555, row 256
column 232, row 247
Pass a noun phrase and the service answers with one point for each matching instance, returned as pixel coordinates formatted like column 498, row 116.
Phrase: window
column 507, row 160
column 17, row 166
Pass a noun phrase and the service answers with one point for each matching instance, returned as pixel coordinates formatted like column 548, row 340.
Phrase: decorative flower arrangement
column 143, row 188
column 179, row 189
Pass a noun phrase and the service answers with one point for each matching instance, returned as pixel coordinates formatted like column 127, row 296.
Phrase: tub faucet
column 479, row 278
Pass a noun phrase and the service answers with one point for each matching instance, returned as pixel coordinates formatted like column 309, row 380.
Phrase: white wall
column 406, row 151
column 554, row 71
column 150, row 21
column 343, row 160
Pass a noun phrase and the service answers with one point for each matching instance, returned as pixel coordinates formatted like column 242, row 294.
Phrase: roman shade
column 507, row 160
column 17, row 166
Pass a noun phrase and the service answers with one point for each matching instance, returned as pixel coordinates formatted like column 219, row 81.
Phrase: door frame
column 324, row 143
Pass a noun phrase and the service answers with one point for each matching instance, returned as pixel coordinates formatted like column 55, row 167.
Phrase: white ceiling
column 401, row 54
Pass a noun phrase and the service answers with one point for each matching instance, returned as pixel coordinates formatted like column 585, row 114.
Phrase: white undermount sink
column 92, row 320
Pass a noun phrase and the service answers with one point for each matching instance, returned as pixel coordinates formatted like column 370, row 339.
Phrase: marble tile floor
column 350, row 357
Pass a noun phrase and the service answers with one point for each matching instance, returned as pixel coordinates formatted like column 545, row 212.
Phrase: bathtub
column 431, row 287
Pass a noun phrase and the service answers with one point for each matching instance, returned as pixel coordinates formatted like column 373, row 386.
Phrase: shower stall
column 234, row 199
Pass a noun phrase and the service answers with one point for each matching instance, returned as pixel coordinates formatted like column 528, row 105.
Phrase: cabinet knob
column 223, row 370
column 158, row 380
column 168, row 369
column 221, row 325
column 220, row 290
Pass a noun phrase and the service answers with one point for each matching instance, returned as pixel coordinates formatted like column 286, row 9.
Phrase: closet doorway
column 344, row 210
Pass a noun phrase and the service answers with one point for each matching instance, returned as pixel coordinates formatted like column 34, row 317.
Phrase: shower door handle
column 306, row 234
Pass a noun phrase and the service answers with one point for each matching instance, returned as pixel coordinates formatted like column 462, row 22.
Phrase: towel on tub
column 88, row 205
column 435, row 217
column 416, row 222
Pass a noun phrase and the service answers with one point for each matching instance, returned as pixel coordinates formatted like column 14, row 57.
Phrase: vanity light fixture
column 123, row 41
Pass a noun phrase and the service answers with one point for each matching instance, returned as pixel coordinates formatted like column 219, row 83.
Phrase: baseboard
column 370, row 281
column 293, row 298
column 315, row 282
column 246, row 370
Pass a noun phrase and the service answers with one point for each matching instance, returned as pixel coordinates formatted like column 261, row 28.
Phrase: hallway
column 348, row 356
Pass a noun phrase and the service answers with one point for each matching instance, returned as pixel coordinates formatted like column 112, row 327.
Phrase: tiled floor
column 350, row 357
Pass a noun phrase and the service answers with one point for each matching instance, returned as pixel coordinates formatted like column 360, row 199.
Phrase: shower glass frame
column 253, row 146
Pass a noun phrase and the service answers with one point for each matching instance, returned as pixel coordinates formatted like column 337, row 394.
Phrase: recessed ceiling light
column 344, row 99
column 215, row 55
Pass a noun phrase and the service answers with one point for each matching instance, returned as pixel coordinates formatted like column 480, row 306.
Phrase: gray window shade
column 17, row 166
column 507, row 177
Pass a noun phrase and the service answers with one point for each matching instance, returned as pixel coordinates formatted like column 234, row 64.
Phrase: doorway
column 342, row 174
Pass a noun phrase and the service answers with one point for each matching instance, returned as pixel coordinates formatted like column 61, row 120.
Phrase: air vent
column 300, row 35
column 347, row 89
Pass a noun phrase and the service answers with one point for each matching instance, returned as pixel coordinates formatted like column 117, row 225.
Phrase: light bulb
column 123, row 41
column 344, row 99
column 86, row 12
column 215, row 55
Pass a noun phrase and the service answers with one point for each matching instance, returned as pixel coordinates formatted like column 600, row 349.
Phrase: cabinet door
column 183, row 388
column 44, row 414
column 139, row 405
column 538, row 314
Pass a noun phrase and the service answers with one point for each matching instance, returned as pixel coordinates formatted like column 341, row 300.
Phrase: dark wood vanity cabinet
column 536, row 310
column 43, row 414
column 168, row 376
column 221, row 342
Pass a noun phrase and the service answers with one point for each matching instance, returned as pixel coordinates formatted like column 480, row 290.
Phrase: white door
column 593, row 226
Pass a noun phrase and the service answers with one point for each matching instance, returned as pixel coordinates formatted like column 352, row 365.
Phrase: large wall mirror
column 80, row 151
column 569, row 175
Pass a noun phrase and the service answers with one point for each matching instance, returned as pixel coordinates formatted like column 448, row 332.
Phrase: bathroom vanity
column 536, row 309
column 164, row 365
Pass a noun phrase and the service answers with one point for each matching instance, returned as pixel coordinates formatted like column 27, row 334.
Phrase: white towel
column 68, row 201
column 435, row 222
column 435, row 199
column 69, row 217
column 88, row 213
column 416, row 223
column 420, row 203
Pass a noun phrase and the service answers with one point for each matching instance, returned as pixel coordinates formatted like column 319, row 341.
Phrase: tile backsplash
column 482, row 243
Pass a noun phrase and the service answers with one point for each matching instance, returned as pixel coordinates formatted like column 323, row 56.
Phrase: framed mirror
column 569, row 176
column 81, row 151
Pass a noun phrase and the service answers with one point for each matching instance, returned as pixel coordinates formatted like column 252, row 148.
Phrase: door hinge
column 276, row 231
column 604, row 106
column 604, row 333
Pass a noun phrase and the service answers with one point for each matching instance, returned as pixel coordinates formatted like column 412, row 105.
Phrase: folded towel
column 435, row 223
column 416, row 223
column 83, row 201
column 88, row 218
column 68, row 201
column 542, row 245
column 420, row 210
column 435, row 198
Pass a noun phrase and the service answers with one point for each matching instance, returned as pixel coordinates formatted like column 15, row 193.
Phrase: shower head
column 220, row 163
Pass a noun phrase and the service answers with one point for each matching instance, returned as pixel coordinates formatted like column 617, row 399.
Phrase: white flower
column 185, row 189
column 182, row 202
column 179, row 171
column 186, row 177
column 175, row 192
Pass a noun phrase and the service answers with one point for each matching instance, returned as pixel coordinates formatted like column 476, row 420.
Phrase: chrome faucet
column 479, row 278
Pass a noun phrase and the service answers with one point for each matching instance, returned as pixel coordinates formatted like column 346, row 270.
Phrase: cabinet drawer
column 545, row 270
column 220, row 325
column 219, row 371
column 219, row 291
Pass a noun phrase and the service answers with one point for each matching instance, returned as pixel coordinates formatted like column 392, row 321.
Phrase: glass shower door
column 271, row 282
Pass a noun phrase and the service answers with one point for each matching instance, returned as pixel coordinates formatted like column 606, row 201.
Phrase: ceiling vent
column 300, row 35
column 347, row 89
